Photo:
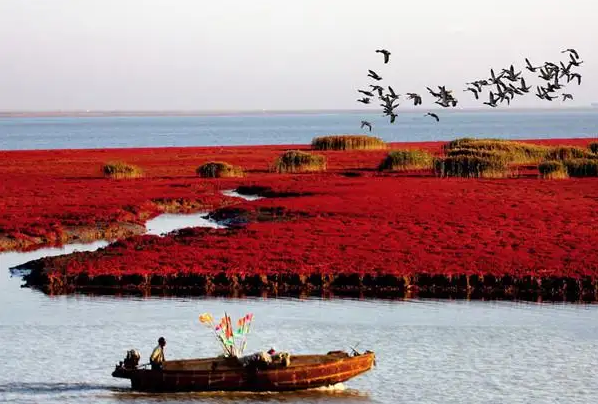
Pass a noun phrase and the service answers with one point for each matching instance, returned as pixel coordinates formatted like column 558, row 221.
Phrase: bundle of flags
column 233, row 341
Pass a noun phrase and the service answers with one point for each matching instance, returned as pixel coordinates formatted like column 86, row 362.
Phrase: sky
column 275, row 54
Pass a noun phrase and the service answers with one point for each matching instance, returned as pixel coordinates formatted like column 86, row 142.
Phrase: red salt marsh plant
column 399, row 226
column 121, row 170
column 219, row 169
column 59, row 194
column 348, row 142
column 296, row 161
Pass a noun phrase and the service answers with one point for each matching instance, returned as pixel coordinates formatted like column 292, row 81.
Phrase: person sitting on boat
column 157, row 357
column 271, row 351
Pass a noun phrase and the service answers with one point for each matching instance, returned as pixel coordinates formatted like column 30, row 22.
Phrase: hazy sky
column 278, row 54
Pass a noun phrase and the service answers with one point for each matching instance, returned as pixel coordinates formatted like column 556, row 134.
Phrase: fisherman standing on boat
column 157, row 356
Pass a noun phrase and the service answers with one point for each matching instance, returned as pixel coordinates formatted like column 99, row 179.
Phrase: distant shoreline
column 190, row 113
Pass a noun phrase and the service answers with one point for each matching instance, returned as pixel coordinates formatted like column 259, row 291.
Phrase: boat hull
column 332, row 369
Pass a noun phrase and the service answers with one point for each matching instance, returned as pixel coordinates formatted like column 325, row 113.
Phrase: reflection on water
column 11, row 259
column 233, row 193
column 326, row 395
column 167, row 222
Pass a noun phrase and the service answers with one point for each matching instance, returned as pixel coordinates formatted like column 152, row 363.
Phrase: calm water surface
column 76, row 133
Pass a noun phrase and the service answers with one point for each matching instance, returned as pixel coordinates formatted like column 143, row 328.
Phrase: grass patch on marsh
column 471, row 167
column 400, row 160
column 348, row 142
column 516, row 152
column 569, row 152
column 121, row 170
column 553, row 170
column 295, row 161
column 219, row 169
column 582, row 167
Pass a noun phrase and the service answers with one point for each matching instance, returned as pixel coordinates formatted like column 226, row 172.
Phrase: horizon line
column 207, row 112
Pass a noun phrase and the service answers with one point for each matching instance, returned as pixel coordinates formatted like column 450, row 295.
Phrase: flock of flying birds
column 502, row 87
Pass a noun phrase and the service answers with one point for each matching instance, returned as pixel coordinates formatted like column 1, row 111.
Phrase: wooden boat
column 231, row 374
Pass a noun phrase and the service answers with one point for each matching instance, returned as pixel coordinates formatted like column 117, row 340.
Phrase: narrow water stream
column 159, row 226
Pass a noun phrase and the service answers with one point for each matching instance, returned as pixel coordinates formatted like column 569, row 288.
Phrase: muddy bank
column 346, row 285
column 71, row 235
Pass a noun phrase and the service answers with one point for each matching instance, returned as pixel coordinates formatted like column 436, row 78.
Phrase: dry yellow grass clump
column 516, row 152
column 471, row 167
column 582, row 167
column 553, row 170
column 295, row 161
column 121, row 170
column 348, row 142
column 401, row 160
column 219, row 169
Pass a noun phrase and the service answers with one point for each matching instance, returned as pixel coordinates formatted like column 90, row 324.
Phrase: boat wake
column 41, row 388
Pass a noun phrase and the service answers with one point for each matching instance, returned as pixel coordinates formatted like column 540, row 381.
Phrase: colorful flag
column 205, row 318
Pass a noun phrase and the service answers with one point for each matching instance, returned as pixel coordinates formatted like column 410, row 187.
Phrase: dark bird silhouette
column 523, row 87
column 417, row 99
column 433, row 115
column 567, row 97
column 368, row 93
column 385, row 53
column 364, row 100
column 474, row 91
column 543, row 94
column 514, row 90
column 510, row 74
column 494, row 78
column 379, row 89
column 392, row 93
column 529, row 66
column 573, row 52
column 574, row 62
column 492, row 101
column 392, row 117
column 366, row 124
column 373, row 75
column 574, row 76
column 545, row 74
column 434, row 94
column 444, row 97
column 565, row 70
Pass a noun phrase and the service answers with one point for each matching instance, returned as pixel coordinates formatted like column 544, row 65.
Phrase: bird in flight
column 573, row 53
column 529, row 66
column 433, row 115
column 373, row 75
column 474, row 91
column 368, row 93
column 417, row 99
column 366, row 124
column 567, row 97
column 492, row 101
column 574, row 76
column 364, row 100
column 385, row 53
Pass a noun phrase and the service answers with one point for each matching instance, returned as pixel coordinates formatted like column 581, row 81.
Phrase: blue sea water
column 289, row 128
